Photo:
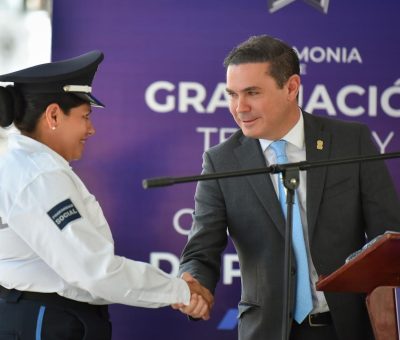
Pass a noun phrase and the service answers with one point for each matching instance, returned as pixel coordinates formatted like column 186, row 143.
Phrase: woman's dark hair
column 25, row 110
column 282, row 58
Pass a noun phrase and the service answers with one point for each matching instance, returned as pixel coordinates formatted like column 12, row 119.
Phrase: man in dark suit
column 341, row 207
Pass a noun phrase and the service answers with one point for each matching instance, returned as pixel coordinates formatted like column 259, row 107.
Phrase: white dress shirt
column 296, row 152
column 55, row 238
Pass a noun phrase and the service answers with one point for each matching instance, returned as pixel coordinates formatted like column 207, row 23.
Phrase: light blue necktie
column 303, row 290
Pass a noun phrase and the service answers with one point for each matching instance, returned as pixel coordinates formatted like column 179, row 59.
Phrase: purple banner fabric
column 162, row 81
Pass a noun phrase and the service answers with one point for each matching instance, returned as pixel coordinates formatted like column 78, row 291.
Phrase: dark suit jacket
column 344, row 203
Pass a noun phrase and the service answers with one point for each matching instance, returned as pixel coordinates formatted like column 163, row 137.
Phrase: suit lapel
column 318, row 144
column 249, row 156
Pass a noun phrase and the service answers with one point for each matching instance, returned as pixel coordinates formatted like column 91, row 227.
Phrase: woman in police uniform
column 58, row 270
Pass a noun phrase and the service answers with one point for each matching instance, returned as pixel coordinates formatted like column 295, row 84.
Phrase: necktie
column 303, row 290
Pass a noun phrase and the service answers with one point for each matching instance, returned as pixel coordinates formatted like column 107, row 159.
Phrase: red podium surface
column 376, row 271
column 377, row 265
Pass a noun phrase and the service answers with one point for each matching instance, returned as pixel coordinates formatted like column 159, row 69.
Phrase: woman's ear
column 52, row 115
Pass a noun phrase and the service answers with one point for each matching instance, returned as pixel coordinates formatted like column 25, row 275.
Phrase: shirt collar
column 295, row 136
column 18, row 141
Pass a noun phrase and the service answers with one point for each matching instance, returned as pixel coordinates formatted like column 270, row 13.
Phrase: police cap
column 73, row 75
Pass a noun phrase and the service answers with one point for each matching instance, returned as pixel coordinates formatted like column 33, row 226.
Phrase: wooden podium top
column 377, row 265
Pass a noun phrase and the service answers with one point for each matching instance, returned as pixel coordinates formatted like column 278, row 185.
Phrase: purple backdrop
column 162, row 81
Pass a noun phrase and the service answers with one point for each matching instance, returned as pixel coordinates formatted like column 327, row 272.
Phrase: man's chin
column 251, row 134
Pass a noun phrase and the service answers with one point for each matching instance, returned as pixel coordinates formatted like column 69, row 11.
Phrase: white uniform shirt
column 54, row 237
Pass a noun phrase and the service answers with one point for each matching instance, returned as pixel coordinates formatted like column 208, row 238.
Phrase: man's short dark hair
column 282, row 58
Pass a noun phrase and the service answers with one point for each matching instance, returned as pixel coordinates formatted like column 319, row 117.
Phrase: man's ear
column 52, row 115
column 293, row 86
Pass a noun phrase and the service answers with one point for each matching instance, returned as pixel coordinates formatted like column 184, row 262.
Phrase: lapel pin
column 320, row 144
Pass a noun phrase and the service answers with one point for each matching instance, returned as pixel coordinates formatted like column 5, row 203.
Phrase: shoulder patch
column 64, row 213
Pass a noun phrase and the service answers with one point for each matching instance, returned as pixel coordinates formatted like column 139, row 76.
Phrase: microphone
column 157, row 182
column 274, row 168
column 165, row 181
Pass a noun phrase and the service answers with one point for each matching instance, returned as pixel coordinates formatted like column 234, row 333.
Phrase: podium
column 375, row 270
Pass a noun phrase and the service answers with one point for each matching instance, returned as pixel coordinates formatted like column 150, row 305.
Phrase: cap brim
column 88, row 97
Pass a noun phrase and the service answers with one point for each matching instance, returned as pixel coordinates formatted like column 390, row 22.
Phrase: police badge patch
column 64, row 213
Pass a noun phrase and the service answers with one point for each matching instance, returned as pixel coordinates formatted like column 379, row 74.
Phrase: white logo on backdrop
column 321, row 5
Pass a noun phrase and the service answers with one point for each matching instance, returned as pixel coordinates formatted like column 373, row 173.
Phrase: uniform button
column 293, row 271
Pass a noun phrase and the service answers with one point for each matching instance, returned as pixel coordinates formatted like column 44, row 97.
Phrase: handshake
column 201, row 300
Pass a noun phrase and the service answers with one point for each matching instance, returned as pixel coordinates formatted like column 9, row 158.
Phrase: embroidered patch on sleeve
column 64, row 213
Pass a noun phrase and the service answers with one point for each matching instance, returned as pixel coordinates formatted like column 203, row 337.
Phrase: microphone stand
column 291, row 180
